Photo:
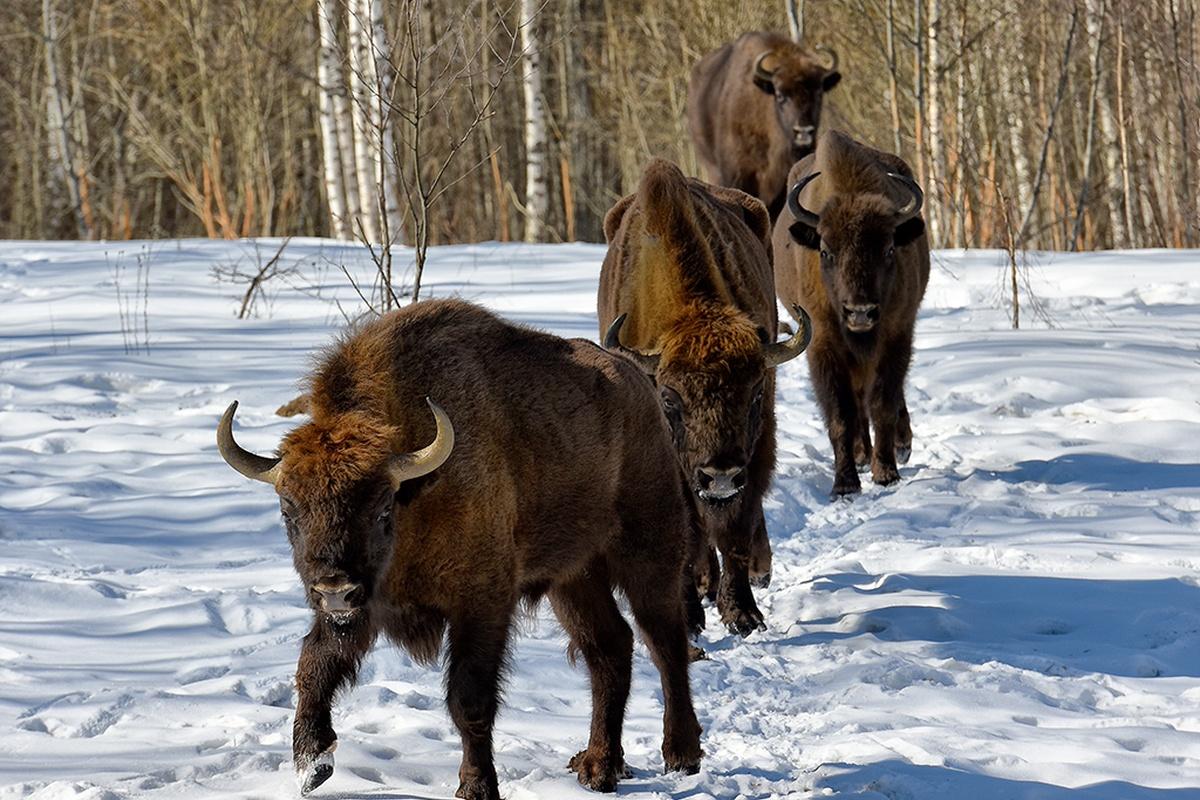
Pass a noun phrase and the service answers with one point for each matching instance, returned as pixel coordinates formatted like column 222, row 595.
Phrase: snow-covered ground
column 1018, row 618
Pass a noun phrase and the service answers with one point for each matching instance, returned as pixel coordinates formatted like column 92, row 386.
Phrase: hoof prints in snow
column 1018, row 618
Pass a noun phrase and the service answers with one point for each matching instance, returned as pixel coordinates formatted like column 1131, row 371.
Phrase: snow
column 1018, row 618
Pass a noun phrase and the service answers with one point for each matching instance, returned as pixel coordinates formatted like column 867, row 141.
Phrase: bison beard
column 860, row 267
column 550, row 472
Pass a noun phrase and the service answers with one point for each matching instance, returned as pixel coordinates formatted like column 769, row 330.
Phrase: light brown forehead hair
column 330, row 455
column 712, row 338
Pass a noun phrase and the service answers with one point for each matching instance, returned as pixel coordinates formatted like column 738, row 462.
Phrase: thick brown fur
column 858, row 377
column 690, row 266
column 744, row 131
column 562, row 481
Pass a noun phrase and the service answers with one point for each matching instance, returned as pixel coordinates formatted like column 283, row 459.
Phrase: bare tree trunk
column 57, row 114
column 328, row 71
column 537, row 191
column 919, row 93
column 387, row 168
column 1058, row 97
column 364, row 84
column 795, row 15
column 1122, row 125
column 1185, row 150
column 893, row 89
column 937, row 182
column 1094, row 23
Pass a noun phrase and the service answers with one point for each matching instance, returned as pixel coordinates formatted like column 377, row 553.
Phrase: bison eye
column 891, row 252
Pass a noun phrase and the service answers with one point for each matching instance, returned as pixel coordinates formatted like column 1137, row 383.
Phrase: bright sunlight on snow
column 1018, row 618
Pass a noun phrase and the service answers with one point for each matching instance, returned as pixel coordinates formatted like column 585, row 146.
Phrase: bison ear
column 764, row 84
column 805, row 236
column 763, row 336
column 831, row 80
column 612, row 220
column 909, row 231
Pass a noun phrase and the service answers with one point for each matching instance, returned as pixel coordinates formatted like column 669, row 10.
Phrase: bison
column 852, row 251
column 546, row 470
column 753, row 109
column 686, row 291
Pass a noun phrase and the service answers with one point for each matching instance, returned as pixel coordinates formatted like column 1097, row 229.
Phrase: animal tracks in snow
column 1018, row 618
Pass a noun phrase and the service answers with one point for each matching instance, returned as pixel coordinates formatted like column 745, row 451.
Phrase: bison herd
column 456, row 466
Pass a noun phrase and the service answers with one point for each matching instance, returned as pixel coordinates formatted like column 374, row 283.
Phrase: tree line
column 1064, row 124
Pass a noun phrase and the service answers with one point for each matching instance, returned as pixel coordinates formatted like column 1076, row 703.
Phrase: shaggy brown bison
column 686, row 291
column 753, row 109
column 852, row 250
column 546, row 470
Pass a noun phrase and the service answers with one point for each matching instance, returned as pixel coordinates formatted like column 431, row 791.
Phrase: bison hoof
column 761, row 581
column 846, row 485
column 903, row 453
column 599, row 773
column 313, row 772
column 743, row 622
column 696, row 653
column 884, row 474
column 478, row 789
column 683, row 759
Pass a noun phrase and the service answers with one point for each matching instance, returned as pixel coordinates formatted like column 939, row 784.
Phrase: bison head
column 797, row 84
column 712, row 376
column 339, row 484
column 857, row 237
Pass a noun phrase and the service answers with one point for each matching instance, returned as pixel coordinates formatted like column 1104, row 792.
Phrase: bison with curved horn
column 753, row 109
column 852, row 250
column 545, row 468
column 686, row 291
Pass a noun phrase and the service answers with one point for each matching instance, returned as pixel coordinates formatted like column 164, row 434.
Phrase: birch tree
column 537, row 191
column 70, row 171
column 328, row 86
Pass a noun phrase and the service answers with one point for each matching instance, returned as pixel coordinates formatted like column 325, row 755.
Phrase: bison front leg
column 760, row 556
column 839, row 405
column 473, row 695
column 735, row 599
column 329, row 659
column 887, row 403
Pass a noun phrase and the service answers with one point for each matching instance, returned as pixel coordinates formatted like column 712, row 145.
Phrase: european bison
column 556, row 478
column 859, row 266
column 686, row 291
column 753, row 110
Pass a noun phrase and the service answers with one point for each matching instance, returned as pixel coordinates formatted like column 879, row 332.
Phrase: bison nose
column 716, row 484
column 337, row 594
column 804, row 135
column 861, row 317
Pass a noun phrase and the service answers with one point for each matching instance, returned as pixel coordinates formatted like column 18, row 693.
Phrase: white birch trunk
column 795, row 15
column 387, row 170
column 1016, row 144
column 937, row 180
column 56, row 115
column 1106, row 141
column 364, row 108
column 328, row 72
column 537, row 194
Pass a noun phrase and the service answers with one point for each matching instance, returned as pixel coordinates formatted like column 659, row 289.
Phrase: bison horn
column 801, row 213
column 913, row 206
column 612, row 342
column 761, row 73
column 830, row 54
column 253, row 466
column 424, row 461
column 782, row 352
